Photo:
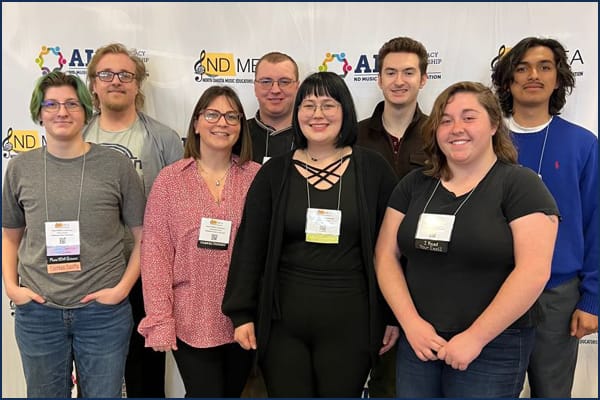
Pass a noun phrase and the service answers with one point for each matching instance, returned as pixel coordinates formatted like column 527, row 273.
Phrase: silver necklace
column 218, row 180
column 319, row 158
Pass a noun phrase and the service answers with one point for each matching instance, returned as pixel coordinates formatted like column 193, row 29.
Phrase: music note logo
column 199, row 69
column 501, row 52
column 19, row 141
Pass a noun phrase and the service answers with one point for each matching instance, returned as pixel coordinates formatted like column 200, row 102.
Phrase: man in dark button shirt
column 394, row 130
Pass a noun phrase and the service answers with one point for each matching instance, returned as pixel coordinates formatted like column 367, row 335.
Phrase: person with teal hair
column 64, row 207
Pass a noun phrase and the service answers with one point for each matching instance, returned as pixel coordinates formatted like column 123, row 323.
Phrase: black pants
column 145, row 368
column 219, row 371
column 320, row 347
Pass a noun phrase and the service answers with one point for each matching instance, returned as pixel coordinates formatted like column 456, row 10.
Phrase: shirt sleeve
column 157, row 263
column 588, row 275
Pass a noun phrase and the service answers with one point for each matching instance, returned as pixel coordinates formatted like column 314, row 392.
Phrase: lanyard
column 46, row 186
column 461, row 204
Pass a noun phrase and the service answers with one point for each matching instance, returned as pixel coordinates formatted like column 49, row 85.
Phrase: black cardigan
column 252, row 280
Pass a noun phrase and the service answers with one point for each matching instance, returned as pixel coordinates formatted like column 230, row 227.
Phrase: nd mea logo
column 214, row 64
column 19, row 141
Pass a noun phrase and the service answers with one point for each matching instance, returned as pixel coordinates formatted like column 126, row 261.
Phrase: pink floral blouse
column 183, row 284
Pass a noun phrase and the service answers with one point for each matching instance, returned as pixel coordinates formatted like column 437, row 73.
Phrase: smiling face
column 62, row 125
column 116, row 96
column 219, row 135
column 534, row 78
column 274, row 101
column 465, row 132
column 320, row 120
column 400, row 78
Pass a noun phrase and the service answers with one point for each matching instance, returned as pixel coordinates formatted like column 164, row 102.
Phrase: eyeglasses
column 108, row 76
column 328, row 109
column 267, row 83
column 213, row 116
column 53, row 106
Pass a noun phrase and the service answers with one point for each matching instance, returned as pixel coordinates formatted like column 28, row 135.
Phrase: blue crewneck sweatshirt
column 569, row 168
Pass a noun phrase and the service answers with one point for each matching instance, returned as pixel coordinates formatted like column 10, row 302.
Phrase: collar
column 514, row 127
column 270, row 130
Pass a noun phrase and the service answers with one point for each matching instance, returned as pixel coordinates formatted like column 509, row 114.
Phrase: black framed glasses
column 213, row 116
column 267, row 83
column 108, row 76
column 53, row 106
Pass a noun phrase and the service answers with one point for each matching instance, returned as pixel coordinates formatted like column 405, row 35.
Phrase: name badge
column 62, row 247
column 434, row 232
column 323, row 226
column 214, row 234
column 265, row 159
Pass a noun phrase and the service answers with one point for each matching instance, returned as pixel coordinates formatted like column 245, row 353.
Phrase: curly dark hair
column 504, row 68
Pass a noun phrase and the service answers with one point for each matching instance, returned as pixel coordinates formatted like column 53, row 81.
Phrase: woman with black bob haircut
column 326, row 84
column 301, row 288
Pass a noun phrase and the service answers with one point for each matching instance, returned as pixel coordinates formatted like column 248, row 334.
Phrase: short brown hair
column 404, row 45
column 276, row 57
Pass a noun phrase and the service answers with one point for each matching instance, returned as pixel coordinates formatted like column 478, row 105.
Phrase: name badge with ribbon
column 434, row 232
column 214, row 234
column 63, row 247
column 323, row 225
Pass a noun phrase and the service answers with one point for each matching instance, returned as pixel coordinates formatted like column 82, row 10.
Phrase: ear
column 423, row 81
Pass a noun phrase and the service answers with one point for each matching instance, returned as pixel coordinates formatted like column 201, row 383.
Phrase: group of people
column 303, row 247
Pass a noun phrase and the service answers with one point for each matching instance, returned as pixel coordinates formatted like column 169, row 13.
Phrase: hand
column 165, row 348
column 583, row 323
column 244, row 335
column 423, row 339
column 460, row 351
column 108, row 296
column 389, row 338
column 22, row 295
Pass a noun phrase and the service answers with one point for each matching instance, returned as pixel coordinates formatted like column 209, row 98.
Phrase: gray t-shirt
column 112, row 195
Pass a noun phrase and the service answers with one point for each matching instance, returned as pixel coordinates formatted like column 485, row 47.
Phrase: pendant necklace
column 218, row 180
column 318, row 158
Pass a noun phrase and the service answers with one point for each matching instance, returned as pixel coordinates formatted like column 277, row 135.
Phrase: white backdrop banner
column 190, row 46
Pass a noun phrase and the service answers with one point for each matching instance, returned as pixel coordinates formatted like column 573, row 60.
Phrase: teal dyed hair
column 55, row 79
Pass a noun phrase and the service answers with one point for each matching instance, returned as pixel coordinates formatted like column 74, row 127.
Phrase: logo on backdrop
column 20, row 141
column 575, row 59
column 52, row 58
column 224, row 68
column 337, row 59
column 367, row 69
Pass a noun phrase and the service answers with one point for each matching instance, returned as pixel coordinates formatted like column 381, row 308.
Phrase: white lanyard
column 46, row 186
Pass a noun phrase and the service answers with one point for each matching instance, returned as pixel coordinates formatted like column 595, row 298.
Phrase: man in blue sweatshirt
column 532, row 81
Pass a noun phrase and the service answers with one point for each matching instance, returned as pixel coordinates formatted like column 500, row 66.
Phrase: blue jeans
column 96, row 336
column 499, row 371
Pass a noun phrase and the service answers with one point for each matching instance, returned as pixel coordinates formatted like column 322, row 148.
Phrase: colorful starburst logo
column 340, row 58
column 52, row 51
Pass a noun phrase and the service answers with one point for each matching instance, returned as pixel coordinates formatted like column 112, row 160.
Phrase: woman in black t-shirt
column 478, row 233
